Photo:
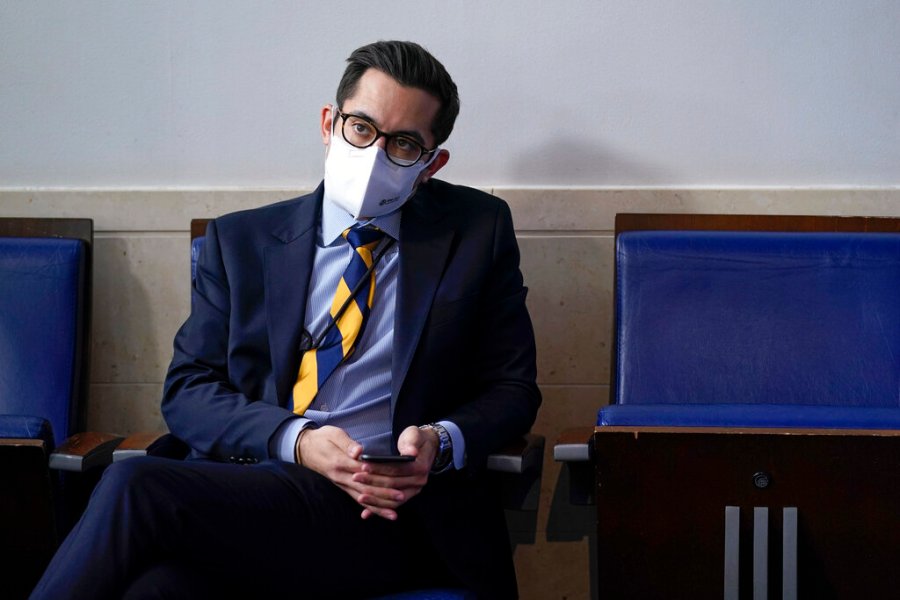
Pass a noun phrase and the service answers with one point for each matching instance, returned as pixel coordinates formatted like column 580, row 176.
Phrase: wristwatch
column 443, row 459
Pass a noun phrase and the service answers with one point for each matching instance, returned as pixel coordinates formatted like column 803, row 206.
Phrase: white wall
column 213, row 93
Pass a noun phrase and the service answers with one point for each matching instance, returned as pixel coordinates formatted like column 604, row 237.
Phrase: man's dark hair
column 410, row 65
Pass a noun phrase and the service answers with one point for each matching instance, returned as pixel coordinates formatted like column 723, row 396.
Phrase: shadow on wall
column 125, row 337
column 566, row 160
column 570, row 522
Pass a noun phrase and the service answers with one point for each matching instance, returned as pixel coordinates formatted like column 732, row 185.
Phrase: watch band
column 443, row 460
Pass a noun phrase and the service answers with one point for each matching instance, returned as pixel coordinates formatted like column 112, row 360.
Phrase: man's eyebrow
column 410, row 133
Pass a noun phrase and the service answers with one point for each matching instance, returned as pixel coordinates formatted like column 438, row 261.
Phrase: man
column 279, row 384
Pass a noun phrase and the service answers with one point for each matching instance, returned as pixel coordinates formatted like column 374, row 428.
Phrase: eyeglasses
column 401, row 149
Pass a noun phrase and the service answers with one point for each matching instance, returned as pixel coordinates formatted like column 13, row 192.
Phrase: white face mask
column 364, row 182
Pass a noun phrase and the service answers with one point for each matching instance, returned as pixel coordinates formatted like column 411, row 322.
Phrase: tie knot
column 363, row 236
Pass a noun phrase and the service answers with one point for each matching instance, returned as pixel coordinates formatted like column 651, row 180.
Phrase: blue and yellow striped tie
column 319, row 363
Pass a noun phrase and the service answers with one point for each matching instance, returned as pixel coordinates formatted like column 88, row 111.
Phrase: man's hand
column 379, row 488
column 406, row 478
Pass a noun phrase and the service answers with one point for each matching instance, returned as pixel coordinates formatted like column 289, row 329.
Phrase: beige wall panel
column 125, row 408
column 141, row 297
column 569, row 299
column 136, row 210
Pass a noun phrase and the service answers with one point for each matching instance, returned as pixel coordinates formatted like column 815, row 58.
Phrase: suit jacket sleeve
column 201, row 402
column 475, row 360
column 505, row 397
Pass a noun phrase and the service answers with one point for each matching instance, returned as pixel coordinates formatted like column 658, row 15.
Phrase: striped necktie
column 348, row 315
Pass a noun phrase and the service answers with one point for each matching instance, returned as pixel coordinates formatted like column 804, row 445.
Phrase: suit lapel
column 425, row 242
column 288, row 266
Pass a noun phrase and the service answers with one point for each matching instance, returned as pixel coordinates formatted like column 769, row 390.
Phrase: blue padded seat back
column 196, row 247
column 708, row 317
column 41, row 306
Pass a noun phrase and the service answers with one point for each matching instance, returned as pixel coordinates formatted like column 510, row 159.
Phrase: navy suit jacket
column 463, row 341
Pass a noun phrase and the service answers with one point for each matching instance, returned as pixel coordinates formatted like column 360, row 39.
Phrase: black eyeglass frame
column 381, row 134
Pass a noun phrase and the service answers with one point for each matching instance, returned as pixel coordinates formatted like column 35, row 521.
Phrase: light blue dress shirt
column 357, row 395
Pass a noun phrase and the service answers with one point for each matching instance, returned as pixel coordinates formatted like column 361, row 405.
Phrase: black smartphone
column 387, row 458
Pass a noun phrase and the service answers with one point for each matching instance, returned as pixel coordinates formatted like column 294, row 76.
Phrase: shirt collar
column 335, row 220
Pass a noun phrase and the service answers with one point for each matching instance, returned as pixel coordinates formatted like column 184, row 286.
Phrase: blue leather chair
column 45, row 309
column 756, row 394
column 45, row 284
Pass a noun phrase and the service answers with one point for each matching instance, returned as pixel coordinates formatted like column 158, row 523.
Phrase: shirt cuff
column 284, row 440
column 459, row 444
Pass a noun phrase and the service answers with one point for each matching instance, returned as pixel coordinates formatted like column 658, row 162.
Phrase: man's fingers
column 376, row 495
column 375, row 511
column 380, row 489
column 390, row 515
column 411, row 440
column 330, row 451
column 373, row 505
column 380, row 496
column 353, row 449
column 376, row 501
column 394, row 483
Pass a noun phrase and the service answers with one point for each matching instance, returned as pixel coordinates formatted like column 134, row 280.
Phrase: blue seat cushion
column 749, row 415
column 196, row 247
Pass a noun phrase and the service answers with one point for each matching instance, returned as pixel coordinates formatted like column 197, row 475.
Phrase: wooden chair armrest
column 84, row 451
column 152, row 443
column 29, row 442
column 525, row 454
column 573, row 445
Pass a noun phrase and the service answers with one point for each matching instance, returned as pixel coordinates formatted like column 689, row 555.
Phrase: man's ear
column 325, row 125
column 436, row 165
